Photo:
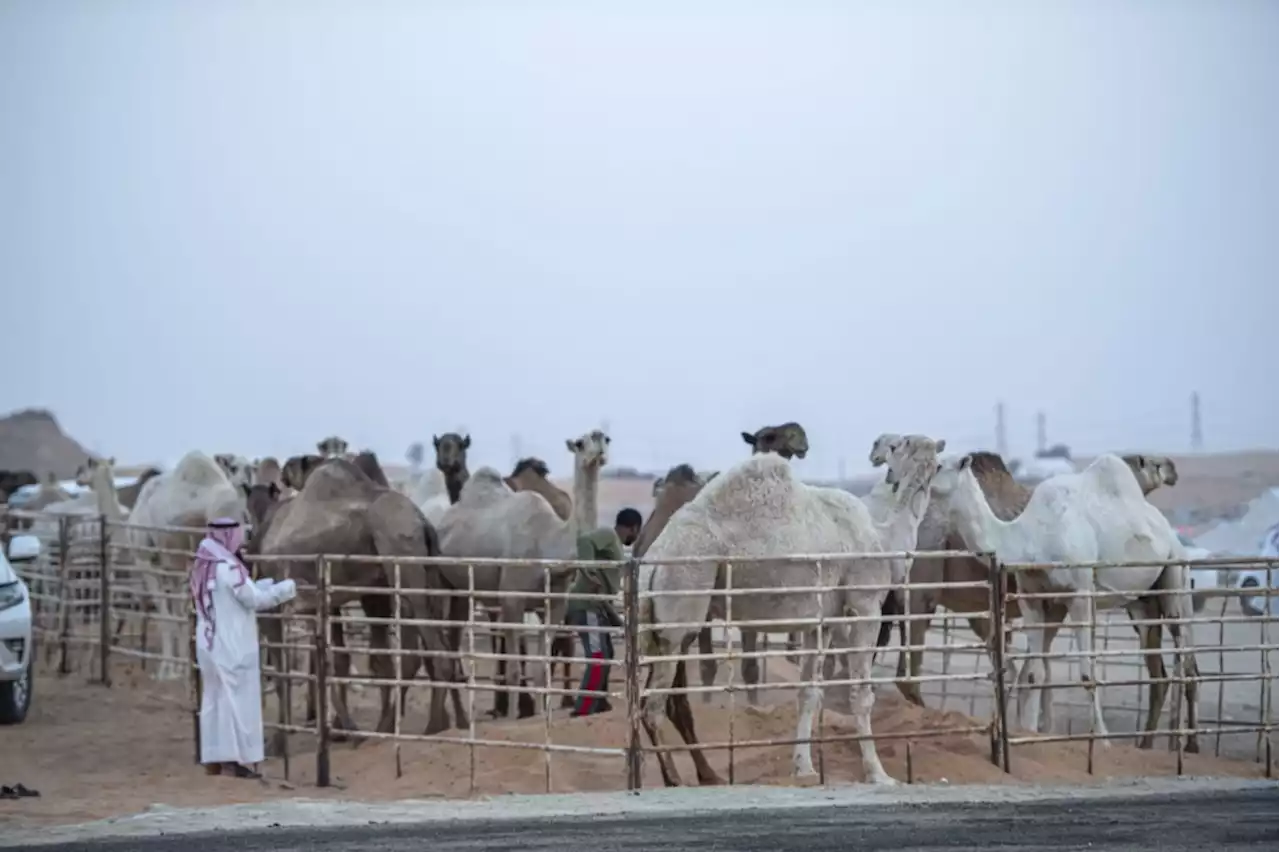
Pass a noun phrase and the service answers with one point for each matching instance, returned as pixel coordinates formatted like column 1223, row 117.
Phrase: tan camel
column 531, row 474
column 1007, row 499
column 787, row 440
column 451, row 460
column 491, row 520
column 342, row 510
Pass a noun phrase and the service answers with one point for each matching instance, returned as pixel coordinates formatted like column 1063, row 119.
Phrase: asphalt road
column 1193, row 821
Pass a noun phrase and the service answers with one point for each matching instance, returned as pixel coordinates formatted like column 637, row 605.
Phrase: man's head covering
column 221, row 544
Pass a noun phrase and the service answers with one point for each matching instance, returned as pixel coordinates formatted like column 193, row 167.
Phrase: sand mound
column 32, row 440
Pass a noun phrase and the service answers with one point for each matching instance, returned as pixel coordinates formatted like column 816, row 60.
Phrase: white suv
column 16, row 652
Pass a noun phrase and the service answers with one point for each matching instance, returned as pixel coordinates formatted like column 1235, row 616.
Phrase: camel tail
column 433, row 539
column 891, row 606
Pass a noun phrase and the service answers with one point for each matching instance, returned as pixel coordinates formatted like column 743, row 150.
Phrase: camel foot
column 884, row 779
column 710, row 780
column 525, row 705
column 1193, row 746
column 808, row 778
column 1105, row 745
column 1146, row 743
column 437, row 726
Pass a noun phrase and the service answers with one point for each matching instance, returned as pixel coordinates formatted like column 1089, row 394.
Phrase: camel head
column 332, row 447
column 266, row 471
column 237, row 468
column 591, row 450
column 880, row 449
column 681, row 474
column 525, row 471
column 297, row 469
column 451, row 452
column 787, row 440
column 912, row 461
column 1152, row 471
column 102, row 470
column 259, row 502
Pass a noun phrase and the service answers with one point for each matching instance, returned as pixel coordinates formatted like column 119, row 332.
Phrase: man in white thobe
column 227, row 602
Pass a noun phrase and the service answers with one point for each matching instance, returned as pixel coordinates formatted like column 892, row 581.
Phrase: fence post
column 1000, row 736
column 66, row 595
column 631, row 661
column 104, row 604
column 322, row 673
column 197, row 686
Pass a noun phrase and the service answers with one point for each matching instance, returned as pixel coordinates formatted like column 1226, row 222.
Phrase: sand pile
column 32, row 440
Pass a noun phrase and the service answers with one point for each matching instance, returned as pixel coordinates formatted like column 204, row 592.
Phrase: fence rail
column 104, row 594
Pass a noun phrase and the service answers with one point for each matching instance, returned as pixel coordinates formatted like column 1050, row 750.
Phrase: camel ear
column 573, row 445
column 466, row 442
column 941, row 445
column 749, row 438
column 965, row 462
column 246, row 488
column 435, row 441
column 273, row 491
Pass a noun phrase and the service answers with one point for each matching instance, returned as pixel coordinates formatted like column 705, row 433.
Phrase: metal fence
column 106, row 595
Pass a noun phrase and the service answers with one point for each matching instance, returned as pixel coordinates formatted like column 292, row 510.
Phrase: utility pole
column 1042, row 439
column 1197, row 435
column 1002, row 446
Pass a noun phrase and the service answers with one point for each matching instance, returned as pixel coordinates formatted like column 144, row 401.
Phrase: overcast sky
column 245, row 226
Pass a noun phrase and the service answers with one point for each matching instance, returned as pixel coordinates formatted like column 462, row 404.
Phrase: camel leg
column 458, row 609
column 1149, row 639
column 1181, row 606
column 273, row 631
column 1033, row 670
column 654, row 711
column 562, row 646
column 1078, row 612
column 810, row 700
column 909, row 662
column 680, row 712
column 750, row 667
column 706, row 668
column 512, row 613
column 862, row 635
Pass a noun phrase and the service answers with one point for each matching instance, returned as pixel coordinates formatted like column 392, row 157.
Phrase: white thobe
column 231, row 701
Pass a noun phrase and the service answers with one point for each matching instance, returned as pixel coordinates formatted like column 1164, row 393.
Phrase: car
column 1262, row 578
column 16, row 650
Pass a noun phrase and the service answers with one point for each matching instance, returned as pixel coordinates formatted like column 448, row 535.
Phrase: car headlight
column 10, row 595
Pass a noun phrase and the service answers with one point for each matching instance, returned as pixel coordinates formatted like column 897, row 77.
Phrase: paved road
column 1234, row 820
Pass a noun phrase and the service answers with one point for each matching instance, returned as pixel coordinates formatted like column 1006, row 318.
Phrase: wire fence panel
column 453, row 659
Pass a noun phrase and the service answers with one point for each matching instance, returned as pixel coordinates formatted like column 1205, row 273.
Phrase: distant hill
column 32, row 440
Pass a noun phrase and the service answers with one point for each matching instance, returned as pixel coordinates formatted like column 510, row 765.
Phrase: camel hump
column 763, row 481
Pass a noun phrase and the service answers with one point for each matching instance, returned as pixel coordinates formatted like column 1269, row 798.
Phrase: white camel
column 1096, row 515
column 195, row 492
column 241, row 472
column 758, row 510
column 490, row 520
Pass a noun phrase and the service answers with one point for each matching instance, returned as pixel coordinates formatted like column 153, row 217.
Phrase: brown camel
column 788, row 440
column 1007, row 499
column 267, row 471
column 342, row 510
column 332, row 447
column 531, row 474
column 451, row 460
column 129, row 494
column 297, row 468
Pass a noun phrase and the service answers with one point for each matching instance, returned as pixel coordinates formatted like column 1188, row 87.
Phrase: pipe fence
column 472, row 655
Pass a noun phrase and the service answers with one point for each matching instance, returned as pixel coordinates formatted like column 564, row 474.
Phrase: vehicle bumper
column 15, row 640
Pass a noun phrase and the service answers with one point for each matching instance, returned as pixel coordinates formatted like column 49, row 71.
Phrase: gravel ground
column 1197, row 813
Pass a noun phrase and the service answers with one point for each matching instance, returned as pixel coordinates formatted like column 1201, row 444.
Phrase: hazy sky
column 244, row 226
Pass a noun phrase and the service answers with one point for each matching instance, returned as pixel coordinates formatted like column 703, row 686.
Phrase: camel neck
column 108, row 501
column 586, row 512
column 453, row 482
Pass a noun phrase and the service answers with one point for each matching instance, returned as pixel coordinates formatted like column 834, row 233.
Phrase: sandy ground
column 97, row 752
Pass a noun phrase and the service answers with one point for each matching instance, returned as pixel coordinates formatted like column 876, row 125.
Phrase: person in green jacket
column 606, row 545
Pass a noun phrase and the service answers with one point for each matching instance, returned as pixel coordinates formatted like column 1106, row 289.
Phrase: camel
column 490, row 520
column 530, row 474
column 128, row 495
column 332, row 447
column 191, row 495
column 756, row 510
column 451, row 460
column 341, row 509
column 267, row 471
column 1097, row 515
column 1007, row 499
column 787, row 440
column 238, row 469
column 296, row 470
